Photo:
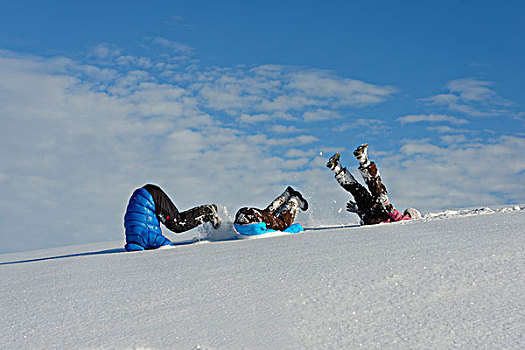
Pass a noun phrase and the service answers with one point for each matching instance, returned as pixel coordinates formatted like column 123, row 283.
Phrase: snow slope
column 454, row 279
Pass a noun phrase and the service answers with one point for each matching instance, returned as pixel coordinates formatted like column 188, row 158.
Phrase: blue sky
column 231, row 101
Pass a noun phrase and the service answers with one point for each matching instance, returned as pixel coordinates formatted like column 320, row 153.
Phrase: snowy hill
column 452, row 280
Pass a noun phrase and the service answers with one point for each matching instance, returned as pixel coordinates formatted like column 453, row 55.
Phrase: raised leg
column 372, row 179
column 274, row 206
column 193, row 217
column 282, row 212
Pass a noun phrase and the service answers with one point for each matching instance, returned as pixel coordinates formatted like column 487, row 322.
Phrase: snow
column 454, row 279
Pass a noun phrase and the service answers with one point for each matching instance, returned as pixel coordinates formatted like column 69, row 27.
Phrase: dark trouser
column 170, row 216
column 369, row 203
column 186, row 220
column 279, row 215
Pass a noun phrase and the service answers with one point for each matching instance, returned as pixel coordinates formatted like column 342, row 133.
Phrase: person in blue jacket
column 278, row 216
column 150, row 205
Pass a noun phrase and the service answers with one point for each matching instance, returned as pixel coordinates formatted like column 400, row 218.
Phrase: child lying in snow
column 150, row 205
column 373, row 206
column 278, row 216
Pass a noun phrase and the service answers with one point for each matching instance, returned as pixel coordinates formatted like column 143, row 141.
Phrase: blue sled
column 260, row 229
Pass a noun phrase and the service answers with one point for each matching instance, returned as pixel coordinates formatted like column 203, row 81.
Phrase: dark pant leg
column 170, row 216
column 276, row 205
column 191, row 218
column 373, row 180
column 377, row 188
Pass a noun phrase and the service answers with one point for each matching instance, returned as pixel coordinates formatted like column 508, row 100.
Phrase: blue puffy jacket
column 141, row 223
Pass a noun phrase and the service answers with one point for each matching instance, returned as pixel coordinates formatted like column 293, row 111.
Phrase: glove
column 351, row 206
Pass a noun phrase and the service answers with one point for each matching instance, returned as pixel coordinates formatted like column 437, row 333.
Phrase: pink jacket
column 395, row 215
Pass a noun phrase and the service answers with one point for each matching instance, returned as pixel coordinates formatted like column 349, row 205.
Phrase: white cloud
column 320, row 114
column 454, row 139
column 74, row 149
column 177, row 47
column 428, row 176
column 324, row 84
column 420, row 147
column 472, row 90
column 472, row 97
column 370, row 126
column 431, row 118
column 178, row 21
column 105, row 51
column 283, row 129
column 448, row 129
column 144, row 62
column 298, row 140
column 520, row 116
column 246, row 118
column 285, row 90
column 76, row 139
column 263, row 117
column 299, row 153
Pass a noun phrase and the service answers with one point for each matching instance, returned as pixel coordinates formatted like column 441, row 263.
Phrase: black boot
column 214, row 218
column 303, row 204
column 361, row 153
column 334, row 164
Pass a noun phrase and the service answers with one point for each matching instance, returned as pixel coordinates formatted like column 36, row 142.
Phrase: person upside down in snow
column 373, row 206
column 150, row 205
column 279, row 215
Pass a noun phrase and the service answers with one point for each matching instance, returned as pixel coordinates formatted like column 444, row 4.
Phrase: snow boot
column 361, row 154
column 215, row 219
column 334, row 164
column 288, row 193
column 303, row 204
